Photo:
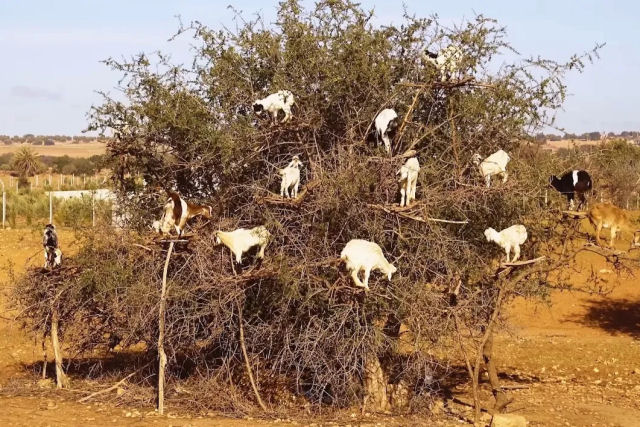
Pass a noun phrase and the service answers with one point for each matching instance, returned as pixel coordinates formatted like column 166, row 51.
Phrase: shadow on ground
column 620, row 316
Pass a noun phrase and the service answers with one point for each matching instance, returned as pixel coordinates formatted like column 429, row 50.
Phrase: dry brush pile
column 306, row 328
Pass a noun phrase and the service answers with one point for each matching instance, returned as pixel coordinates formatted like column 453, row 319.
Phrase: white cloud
column 35, row 93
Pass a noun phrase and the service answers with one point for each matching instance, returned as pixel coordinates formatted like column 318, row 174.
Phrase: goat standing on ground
column 386, row 123
column 446, row 61
column 571, row 183
column 52, row 254
column 509, row 239
column 290, row 178
column 609, row 216
column 362, row 255
column 177, row 212
column 408, row 178
column 281, row 100
column 494, row 165
column 241, row 240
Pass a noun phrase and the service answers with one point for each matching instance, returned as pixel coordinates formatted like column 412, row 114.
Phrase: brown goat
column 178, row 211
column 609, row 216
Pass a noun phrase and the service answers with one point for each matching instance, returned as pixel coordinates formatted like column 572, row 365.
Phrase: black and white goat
column 177, row 212
column 572, row 183
column 386, row 123
column 447, row 61
column 281, row 100
column 52, row 254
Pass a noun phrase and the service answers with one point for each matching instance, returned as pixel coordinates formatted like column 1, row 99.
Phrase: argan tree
column 302, row 322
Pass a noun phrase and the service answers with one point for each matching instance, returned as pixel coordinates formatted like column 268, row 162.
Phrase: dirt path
column 580, row 355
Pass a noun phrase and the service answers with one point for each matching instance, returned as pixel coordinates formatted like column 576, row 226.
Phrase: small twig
column 524, row 262
column 143, row 247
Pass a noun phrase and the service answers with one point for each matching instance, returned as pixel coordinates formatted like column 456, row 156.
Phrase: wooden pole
column 50, row 207
column 62, row 381
column 93, row 209
column 162, row 357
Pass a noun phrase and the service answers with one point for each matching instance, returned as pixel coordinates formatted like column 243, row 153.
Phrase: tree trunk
column 375, row 385
column 502, row 399
column 62, row 381
column 246, row 358
column 162, row 357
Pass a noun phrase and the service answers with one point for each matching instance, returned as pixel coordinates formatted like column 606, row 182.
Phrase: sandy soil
column 575, row 362
column 60, row 149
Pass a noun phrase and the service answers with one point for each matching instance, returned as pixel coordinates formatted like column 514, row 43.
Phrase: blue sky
column 51, row 50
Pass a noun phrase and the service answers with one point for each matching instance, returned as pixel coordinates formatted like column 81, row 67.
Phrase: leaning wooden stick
column 162, row 357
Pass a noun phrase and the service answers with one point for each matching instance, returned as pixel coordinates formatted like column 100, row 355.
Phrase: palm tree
column 26, row 162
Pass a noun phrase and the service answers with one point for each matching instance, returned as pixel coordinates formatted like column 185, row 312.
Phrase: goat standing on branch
column 281, row 100
column 177, row 212
column 290, row 178
column 386, row 123
column 408, row 178
column 495, row 164
column 52, row 254
column 509, row 239
column 609, row 216
column 241, row 240
column 572, row 183
column 364, row 255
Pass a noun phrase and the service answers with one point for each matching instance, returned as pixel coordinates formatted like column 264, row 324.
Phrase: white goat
column 408, row 178
column 290, row 178
column 495, row 164
column 241, row 240
column 281, row 100
column 509, row 239
column 385, row 123
column 364, row 255
column 447, row 61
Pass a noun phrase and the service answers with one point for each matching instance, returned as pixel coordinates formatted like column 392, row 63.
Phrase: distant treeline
column 47, row 139
column 61, row 164
column 588, row 136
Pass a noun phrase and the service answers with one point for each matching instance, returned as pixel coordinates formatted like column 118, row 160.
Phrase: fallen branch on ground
column 113, row 387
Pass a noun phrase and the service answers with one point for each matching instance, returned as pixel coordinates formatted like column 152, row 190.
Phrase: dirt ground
column 575, row 362
column 85, row 149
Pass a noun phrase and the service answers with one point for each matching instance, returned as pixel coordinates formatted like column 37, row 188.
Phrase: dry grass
column 60, row 149
column 575, row 143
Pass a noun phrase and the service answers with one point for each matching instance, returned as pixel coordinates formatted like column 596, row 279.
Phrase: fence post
column 50, row 207
column 93, row 208
column 4, row 203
